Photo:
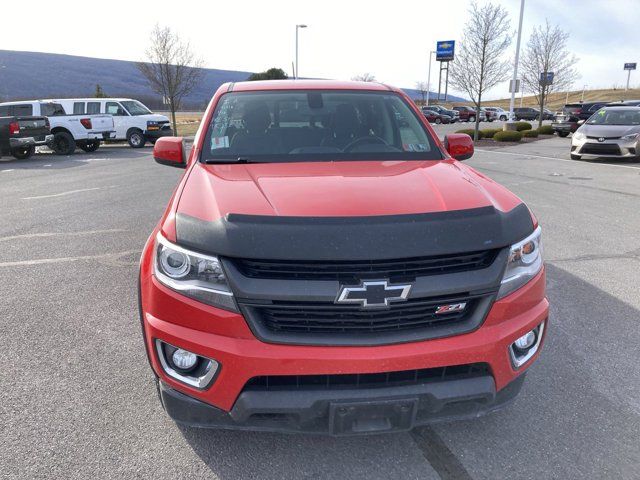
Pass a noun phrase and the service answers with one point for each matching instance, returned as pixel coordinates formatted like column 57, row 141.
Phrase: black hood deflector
column 355, row 238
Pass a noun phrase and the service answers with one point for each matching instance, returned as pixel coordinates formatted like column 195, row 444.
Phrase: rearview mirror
column 459, row 145
column 170, row 151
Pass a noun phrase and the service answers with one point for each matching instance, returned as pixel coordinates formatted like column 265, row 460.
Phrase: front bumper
column 345, row 412
column 609, row 148
column 155, row 134
column 30, row 141
column 226, row 337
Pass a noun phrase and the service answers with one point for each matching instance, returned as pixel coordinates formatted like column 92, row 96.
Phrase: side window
column 21, row 110
column 93, row 107
column 4, row 111
column 114, row 108
column 78, row 108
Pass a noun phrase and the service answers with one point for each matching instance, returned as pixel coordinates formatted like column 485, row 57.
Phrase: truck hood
column 154, row 117
column 338, row 189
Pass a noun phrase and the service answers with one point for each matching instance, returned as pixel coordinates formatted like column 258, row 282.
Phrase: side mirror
column 580, row 122
column 170, row 151
column 459, row 145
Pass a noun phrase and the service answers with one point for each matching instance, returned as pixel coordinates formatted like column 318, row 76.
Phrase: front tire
column 438, row 121
column 23, row 153
column 472, row 119
column 503, row 118
column 63, row 144
column 90, row 146
column 136, row 139
column 563, row 134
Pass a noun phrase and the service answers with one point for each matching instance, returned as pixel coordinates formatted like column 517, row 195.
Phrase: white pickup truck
column 69, row 131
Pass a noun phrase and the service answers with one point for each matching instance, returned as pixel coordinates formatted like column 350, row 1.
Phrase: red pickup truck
column 327, row 265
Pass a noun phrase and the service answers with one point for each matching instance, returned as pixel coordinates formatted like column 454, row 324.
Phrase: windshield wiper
column 213, row 161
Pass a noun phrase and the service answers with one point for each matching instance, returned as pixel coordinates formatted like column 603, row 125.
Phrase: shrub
column 530, row 133
column 470, row 131
column 508, row 136
column 520, row 126
column 489, row 132
column 546, row 130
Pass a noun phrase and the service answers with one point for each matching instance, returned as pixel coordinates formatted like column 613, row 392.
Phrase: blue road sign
column 630, row 66
column 445, row 50
column 546, row 78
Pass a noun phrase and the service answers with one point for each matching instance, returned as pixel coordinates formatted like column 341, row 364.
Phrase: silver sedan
column 611, row 132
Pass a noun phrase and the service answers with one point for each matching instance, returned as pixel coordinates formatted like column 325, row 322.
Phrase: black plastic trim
column 355, row 238
column 311, row 411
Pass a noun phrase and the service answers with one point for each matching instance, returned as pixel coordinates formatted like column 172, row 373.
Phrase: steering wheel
column 361, row 140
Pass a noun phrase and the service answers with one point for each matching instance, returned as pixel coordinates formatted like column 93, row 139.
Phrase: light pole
column 515, row 65
column 583, row 89
column 429, row 76
column 300, row 25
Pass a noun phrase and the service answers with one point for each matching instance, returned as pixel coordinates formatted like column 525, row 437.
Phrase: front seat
column 254, row 139
column 346, row 126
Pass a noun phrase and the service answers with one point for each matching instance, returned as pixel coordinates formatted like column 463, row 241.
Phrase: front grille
column 600, row 149
column 366, row 380
column 606, row 138
column 356, row 270
column 328, row 318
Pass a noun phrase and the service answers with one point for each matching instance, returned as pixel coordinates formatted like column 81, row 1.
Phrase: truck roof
column 306, row 85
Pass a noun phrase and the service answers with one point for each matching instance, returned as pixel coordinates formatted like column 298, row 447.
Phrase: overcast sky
column 389, row 39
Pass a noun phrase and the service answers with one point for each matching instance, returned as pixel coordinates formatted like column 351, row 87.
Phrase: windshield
column 134, row 108
column 300, row 125
column 606, row 116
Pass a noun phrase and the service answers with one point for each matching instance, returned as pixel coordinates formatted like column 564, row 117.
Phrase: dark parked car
column 572, row 113
column 19, row 136
column 455, row 116
column 548, row 114
column 435, row 117
column 526, row 113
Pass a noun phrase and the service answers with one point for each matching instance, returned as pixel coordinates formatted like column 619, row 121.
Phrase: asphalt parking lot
column 77, row 399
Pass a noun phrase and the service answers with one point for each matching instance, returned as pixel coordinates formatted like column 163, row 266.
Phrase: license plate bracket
column 352, row 418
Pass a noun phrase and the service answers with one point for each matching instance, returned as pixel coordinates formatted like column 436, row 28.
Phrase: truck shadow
column 575, row 417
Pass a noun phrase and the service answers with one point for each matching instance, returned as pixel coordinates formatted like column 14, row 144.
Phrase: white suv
column 133, row 121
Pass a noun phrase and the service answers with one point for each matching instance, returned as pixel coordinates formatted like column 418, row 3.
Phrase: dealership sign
column 445, row 50
column 546, row 78
column 630, row 66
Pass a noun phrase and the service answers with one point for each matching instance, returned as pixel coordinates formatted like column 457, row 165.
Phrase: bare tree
column 479, row 66
column 172, row 69
column 547, row 52
column 422, row 88
column 365, row 77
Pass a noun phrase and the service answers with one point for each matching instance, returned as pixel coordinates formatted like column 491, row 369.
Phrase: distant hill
column 28, row 75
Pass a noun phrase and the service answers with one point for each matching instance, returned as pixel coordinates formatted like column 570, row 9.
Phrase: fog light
column 186, row 367
column 524, row 343
column 184, row 360
column 525, row 347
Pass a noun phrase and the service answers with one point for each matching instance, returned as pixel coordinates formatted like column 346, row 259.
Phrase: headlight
column 631, row 136
column 194, row 275
column 525, row 261
column 578, row 136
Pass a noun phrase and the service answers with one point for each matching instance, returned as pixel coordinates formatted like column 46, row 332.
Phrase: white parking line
column 575, row 162
column 42, row 261
column 62, row 194
column 56, row 234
